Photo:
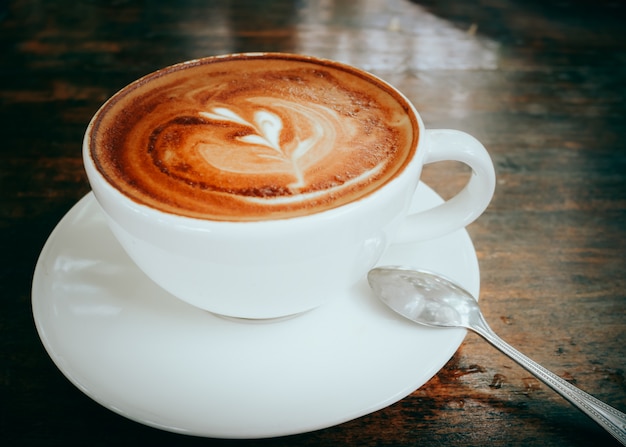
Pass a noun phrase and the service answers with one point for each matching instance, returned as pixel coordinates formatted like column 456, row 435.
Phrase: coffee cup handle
column 464, row 207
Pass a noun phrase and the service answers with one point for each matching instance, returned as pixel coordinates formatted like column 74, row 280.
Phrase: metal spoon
column 432, row 300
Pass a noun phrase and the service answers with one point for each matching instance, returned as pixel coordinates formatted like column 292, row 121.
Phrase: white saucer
column 146, row 355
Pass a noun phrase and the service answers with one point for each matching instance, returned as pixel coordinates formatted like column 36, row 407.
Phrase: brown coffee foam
column 152, row 140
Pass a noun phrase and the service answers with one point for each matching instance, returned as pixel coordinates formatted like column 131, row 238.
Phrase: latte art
column 263, row 149
column 252, row 138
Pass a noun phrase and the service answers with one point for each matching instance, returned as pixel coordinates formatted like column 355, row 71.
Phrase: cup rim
column 418, row 152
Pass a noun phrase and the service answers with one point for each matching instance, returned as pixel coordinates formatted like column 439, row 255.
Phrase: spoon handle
column 612, row 420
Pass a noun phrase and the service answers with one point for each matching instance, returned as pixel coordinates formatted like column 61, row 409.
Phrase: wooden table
column 539, row 83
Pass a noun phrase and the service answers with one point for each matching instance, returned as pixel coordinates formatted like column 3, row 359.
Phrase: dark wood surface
column 541, row 84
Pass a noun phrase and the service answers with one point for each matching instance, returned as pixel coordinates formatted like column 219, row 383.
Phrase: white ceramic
column 299, row 263
column 152, row 358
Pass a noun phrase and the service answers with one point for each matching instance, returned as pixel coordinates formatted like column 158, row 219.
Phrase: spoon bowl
column 432, row 300
column 423, row 297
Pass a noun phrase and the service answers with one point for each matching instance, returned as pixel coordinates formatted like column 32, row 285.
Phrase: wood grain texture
column 539, row 83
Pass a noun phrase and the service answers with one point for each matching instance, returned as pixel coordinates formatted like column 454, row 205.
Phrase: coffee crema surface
column 252, row 137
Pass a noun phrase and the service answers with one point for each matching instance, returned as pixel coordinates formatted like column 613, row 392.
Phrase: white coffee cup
column 274, row 268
